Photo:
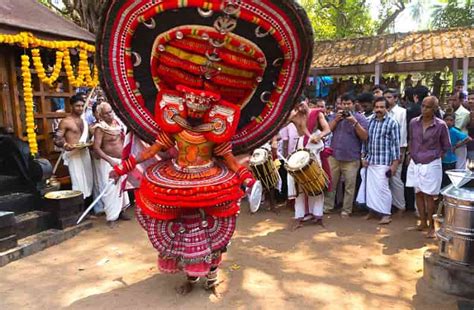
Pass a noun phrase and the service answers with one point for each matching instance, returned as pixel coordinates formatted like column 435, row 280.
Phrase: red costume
column 207, row 77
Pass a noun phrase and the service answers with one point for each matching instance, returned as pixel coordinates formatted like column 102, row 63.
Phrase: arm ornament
column 126, row 166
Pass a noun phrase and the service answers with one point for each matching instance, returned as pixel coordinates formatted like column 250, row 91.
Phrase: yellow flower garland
column 29, row 105
column 83, row 78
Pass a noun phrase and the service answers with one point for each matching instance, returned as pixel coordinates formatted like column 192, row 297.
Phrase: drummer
column 307, row 208
column 270, row 194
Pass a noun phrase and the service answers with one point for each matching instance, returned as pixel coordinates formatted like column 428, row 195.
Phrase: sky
column 404, row 22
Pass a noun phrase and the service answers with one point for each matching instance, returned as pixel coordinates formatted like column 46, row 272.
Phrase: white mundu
column 425, row 178
column 315, row 203
column 114, row 200
column 79, row 164
column 374, row 190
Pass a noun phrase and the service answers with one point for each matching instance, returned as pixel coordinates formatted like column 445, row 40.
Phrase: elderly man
column 72, row 132
column 462, row 119
column 381, row 158
column 399, row 114
column 108, row 145
column 349, row 132
column 429, row 142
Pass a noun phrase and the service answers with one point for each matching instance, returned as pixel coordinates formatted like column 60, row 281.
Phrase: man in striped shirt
column 380, row 159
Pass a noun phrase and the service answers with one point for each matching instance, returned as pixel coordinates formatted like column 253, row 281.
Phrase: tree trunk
column 391, row 18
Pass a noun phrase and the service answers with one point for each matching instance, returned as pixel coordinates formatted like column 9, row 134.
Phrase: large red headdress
column 254, row 54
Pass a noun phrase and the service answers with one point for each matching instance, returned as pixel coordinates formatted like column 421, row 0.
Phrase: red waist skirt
column 166, row 190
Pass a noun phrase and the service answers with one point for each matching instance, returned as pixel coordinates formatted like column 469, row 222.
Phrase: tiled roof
column 31, row 16
column 399, row 47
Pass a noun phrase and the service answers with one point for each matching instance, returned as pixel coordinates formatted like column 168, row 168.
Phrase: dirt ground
column 350, row 264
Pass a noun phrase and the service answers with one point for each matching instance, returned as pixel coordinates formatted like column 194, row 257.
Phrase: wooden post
column 465, row 70
column 378, row 73
column 455, row 70
column 316, row 84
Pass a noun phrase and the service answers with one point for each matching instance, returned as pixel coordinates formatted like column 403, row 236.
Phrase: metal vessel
column 455, row 230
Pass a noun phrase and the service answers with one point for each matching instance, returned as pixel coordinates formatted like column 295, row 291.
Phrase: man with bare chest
column 72, row 132
column 108, row 145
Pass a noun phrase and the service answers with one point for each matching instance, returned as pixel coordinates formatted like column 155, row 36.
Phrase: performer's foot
column 369, row 216
column 385, row 220
column 421, row 227
column 431, row 234
column 296, row 224
column 112, row 224
column 317, row 221
column 185, row 289
column 124, row 216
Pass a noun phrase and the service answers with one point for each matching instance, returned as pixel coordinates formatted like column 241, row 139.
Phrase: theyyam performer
column 211, row 79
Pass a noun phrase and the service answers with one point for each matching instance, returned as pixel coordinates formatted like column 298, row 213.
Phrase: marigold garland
column 83, row 78
column 29, row 105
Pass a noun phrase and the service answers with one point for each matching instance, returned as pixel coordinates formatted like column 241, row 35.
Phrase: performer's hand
column 249, row 182
column 68, row 147
column 365, row 163
column 315, row 139
column 114, row 176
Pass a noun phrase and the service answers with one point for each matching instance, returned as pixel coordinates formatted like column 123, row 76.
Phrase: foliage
column 85, row 13
column 454, row 14
column 335, row 19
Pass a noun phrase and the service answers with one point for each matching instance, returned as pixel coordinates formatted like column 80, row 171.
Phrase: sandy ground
column 350, row 264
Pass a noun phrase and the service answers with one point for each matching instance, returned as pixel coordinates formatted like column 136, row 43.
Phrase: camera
column 346, row 114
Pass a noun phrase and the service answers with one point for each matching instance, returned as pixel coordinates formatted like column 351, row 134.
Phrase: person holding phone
column 380, row 159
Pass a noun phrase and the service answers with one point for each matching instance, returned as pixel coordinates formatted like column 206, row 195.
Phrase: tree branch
column 392, row 17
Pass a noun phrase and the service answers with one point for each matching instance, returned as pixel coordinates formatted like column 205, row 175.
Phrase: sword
column 109, row 184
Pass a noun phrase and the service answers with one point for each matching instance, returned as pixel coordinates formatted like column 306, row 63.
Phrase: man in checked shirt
column 380, row 159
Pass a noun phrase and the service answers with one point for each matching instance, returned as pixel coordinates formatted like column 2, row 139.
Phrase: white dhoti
column 305, row 204
column 80, row 169
column 114, row 200
column 425, row 178
column 99, row 207
column 79, row 164
column 461, row 157
column 374, row 190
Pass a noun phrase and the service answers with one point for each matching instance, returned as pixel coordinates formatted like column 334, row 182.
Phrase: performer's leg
column 188, row 286
column 430, row 210
column 211, row 280
column 316, row 205
column 420, row 203
column 299, row 211
column 335, row 173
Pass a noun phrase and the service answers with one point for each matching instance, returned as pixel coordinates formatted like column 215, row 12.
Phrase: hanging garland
column 29, row 105
column 84, row 76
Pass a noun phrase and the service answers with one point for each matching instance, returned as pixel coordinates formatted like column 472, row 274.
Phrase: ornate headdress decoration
column 254, row 54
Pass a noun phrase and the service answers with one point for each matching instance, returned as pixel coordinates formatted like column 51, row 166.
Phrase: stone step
column 32, row 222
column 40, row 241
column 10, row 183
column 19, row 202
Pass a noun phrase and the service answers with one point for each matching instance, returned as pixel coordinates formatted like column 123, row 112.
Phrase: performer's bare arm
column 233, row 165
column 60, row 136
column 150, row 152
column 325, row 129
column 146, row 154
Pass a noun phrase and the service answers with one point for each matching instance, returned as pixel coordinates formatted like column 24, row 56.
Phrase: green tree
column 335, row 19
column 453, row 14
column 85, row 13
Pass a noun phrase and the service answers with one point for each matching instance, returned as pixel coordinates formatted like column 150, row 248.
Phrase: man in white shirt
column 400, row 115
column 461, row 122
